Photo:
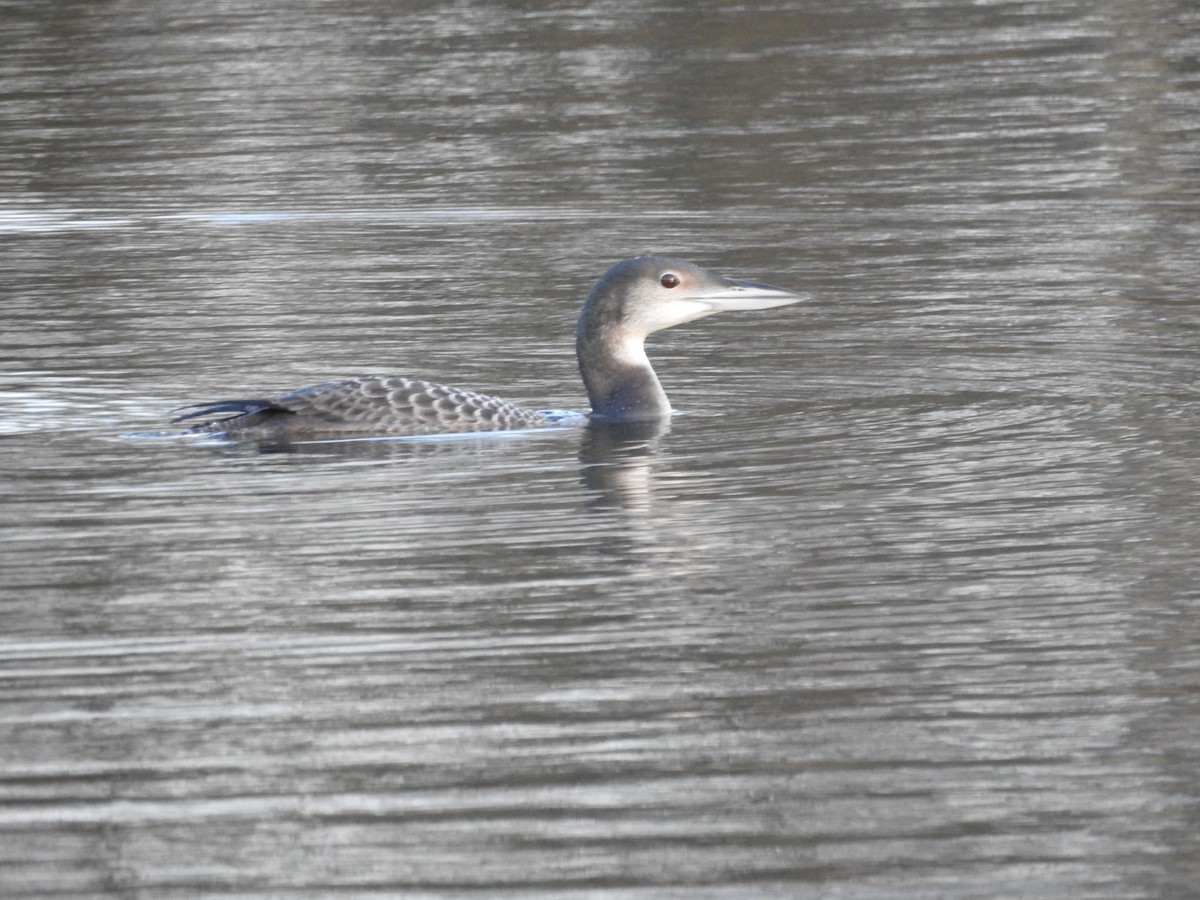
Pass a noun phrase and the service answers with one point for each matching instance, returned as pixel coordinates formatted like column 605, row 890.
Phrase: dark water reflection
column 903, row 605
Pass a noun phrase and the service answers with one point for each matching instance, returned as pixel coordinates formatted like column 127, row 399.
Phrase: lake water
column 904, row 603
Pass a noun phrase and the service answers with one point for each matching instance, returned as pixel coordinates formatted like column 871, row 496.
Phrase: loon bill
column 635, row 298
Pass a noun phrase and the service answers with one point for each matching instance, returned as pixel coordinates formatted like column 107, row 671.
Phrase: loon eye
column 669, row 280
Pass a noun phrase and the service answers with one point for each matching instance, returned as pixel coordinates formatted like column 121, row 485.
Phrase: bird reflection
column 616, row 463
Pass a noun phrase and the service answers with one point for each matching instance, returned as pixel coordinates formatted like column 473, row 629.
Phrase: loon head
column 638, row 297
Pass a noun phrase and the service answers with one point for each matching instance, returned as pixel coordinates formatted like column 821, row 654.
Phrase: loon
column 635, row 298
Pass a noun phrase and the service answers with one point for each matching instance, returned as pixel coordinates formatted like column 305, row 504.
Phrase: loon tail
column 223, row 411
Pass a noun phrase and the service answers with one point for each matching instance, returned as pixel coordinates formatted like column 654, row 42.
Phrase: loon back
column 371, row 404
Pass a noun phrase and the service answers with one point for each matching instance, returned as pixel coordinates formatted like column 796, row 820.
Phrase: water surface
column 902, row 604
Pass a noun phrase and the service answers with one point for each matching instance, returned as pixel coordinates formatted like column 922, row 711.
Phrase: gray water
column 904, row 602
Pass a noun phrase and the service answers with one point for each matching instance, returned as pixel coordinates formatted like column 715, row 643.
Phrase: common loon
column 633, row 299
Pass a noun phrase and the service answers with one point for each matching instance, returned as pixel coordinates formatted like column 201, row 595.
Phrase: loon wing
column 373, row 404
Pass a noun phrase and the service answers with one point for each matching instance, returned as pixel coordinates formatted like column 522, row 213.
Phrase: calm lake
column 905, row 601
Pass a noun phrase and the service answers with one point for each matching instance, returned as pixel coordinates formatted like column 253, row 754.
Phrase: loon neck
column 620, row 382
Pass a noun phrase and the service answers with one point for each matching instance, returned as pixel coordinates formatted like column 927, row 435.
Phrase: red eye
column 669, row 280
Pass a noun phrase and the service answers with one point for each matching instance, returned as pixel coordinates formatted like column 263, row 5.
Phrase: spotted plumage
column 369, row 404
